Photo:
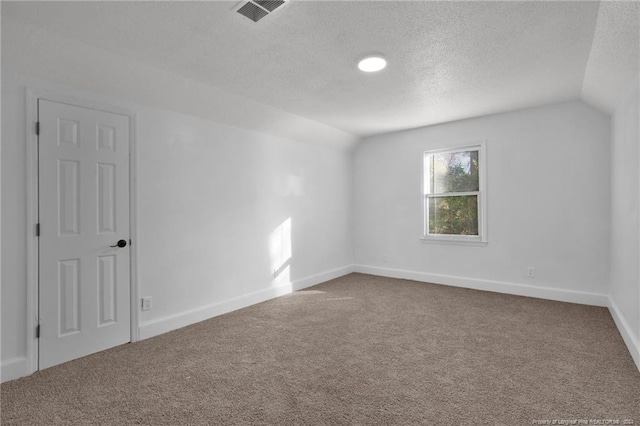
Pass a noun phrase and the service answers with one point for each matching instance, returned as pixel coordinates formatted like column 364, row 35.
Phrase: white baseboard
column 13, row 368
column 540, row 292
column 182, row 319
column 312, row 280
column 17, row 367
column 632, row 342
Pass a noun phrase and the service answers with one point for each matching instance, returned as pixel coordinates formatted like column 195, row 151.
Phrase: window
column 454, row 194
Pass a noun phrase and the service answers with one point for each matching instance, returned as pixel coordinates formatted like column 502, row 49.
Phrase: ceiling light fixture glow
column 372, row 63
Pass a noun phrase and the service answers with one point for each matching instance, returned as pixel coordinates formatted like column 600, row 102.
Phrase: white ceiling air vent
column 257, row 10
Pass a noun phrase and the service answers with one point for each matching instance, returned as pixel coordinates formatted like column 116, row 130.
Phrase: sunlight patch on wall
column 281, row 253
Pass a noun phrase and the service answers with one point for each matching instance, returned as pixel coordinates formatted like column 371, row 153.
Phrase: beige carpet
column 355, row 350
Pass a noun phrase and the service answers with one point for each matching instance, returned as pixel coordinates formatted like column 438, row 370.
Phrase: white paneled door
column 84, row 296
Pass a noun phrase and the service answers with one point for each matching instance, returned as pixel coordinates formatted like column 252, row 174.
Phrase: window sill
column 452, row 241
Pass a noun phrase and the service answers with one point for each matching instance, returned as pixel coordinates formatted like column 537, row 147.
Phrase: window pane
column 453, row 215
column 454, row 172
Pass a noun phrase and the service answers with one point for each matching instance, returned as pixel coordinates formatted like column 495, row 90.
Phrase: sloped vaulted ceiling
column 447, row 60
column 614, row 57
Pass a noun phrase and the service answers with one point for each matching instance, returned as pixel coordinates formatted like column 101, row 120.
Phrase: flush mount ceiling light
column 372, row 63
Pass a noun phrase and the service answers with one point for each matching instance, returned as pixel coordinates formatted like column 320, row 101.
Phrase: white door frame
column 32, row 96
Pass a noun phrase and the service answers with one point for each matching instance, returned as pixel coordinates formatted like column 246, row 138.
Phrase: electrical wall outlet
column 146, row 304
column 531, row 272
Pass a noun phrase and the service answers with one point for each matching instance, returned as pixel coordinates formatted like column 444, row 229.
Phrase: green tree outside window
column 454, row 185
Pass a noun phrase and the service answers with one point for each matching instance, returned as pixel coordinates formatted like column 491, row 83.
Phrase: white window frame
column 481, row 238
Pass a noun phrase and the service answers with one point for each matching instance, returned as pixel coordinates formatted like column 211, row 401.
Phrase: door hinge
column 38, row 331
column 37, row 229
column 37, row 128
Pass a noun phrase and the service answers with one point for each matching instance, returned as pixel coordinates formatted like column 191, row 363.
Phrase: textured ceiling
column 447, row 60
column 613, row 62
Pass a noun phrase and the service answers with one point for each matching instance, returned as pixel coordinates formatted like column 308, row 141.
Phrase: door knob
column 121, row 243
